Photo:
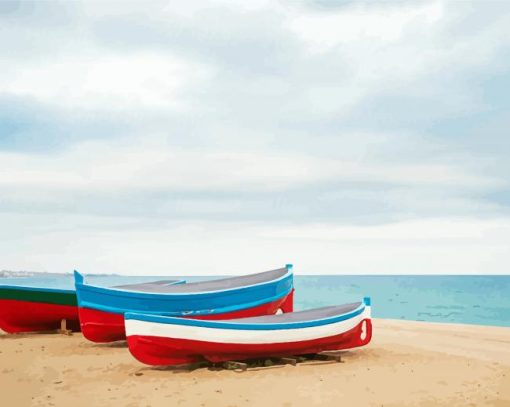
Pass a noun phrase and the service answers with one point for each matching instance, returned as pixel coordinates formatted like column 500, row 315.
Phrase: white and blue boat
column 160, row 340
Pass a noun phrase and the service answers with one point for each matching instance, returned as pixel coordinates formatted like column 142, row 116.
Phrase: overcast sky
column 234, row 137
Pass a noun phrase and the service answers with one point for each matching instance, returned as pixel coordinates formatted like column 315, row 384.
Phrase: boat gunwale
column 125, row 293
column 122, row 286
column 54, row 290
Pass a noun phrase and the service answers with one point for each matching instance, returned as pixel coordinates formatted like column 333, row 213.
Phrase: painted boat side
column 30, row 309
column 156, row 350
column 29, row 316
column 36, row 294
column 165, row 341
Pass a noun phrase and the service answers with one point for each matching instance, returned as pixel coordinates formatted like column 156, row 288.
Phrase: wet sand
column 407, row 364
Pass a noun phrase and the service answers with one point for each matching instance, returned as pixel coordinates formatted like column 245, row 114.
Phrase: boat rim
column 79, row 282
column 32, row 288
column 232, row 324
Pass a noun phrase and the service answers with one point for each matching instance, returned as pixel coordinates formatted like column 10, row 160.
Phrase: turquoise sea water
column 483, row 300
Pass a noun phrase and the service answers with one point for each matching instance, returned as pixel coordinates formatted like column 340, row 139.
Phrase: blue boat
column 101, row 309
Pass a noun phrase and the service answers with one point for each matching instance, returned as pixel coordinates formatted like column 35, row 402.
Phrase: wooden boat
column 31, row 309
column 102, row 310
column 159, row 340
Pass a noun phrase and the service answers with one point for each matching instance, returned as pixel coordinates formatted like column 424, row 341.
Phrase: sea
column 481, row 300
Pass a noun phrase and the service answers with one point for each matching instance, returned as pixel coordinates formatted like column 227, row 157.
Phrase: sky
column 227, row 137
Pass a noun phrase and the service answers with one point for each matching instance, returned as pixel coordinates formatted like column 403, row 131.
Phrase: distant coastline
column 24, row 273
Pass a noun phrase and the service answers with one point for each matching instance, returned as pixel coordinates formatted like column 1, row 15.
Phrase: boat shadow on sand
column 15, row 336
column 109, row 345
column 249, row 365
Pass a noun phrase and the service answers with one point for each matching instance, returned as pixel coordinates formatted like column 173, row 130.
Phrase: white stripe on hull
column 221, row 335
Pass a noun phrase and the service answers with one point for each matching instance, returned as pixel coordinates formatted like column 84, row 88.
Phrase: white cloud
column 394, row 48
column 100, row 166
column 109, row 82
column 434, row 229
column 351, row 26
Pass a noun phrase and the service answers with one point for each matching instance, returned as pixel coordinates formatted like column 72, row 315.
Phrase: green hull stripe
column 38, row 296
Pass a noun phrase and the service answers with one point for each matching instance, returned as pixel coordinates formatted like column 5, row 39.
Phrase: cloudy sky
column 234, row 137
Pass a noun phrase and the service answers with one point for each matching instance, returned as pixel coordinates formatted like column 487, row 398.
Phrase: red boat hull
column 26, row 316
column 155, row 350
column 100, row 326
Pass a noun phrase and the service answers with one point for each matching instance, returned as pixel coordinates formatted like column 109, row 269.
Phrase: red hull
column 25, row 316
column 100, row 326
column 154, row 350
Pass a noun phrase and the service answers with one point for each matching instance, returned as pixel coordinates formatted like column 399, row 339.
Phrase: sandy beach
column 407, row 364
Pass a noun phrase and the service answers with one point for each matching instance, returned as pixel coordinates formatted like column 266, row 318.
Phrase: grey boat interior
column 151, row 286
column 210, row 285
column 298, row 316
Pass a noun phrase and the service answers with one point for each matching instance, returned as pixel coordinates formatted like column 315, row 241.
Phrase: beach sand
column 407, row 364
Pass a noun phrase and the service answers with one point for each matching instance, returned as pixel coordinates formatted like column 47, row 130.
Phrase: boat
column 101, row 310
column 159, row 340
column 32, row 309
